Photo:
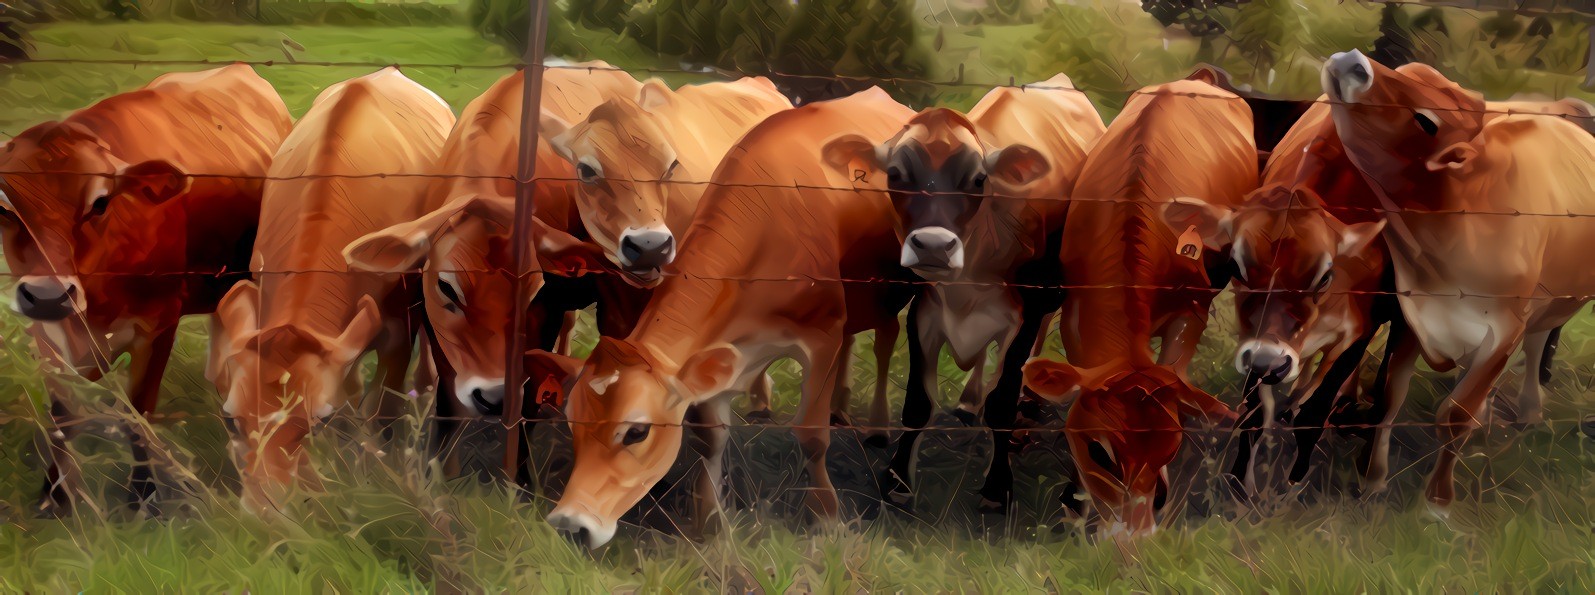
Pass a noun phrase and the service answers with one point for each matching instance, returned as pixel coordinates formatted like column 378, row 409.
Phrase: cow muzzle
column 48, row 298
column 581, row 528
column 482, row 396
column 644, row 251
column 1347, row 76
column 933, row 250
column 1270, row 361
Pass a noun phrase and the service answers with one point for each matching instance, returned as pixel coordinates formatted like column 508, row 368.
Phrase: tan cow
column 979, row 204
column 287, row 344
column 125, row 216
column 643, row 163
column 463, row 245
column 760, row 276
column 1130, row 278
column 1485, row 254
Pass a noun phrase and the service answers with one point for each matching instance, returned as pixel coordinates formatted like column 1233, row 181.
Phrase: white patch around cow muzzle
column 932, row 249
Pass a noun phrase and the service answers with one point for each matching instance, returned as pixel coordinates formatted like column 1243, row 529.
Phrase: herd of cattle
column 718, row 229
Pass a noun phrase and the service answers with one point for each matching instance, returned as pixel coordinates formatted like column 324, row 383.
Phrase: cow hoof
column 760, row 417
column 966, row 417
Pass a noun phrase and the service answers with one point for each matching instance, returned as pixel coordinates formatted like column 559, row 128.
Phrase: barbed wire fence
column 525, row 267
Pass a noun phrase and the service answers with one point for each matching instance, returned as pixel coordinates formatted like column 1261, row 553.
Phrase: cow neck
column 687, row 315
column 1109, row 270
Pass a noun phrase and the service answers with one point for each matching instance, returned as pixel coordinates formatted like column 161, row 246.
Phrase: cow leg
column 1548, row 360
column 1041, row 337
column 567, row 328
column 917, row 406
column 1309, row 422
column 974, row 393
column 1390, row 392
column 1001, row 408
column 393, row 364
column 759, row 399
column 841, row 393
column 63, row 481
column 879, row 413
column 1254, row 416
column 1179, row 344
column 1465, row 409
column 825, row 361
column 147, row 366
column 714, row 434
column 1530, row 401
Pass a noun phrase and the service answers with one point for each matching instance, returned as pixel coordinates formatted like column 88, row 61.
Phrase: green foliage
column 598, row 14
column 1125, row 53
column 506, row 22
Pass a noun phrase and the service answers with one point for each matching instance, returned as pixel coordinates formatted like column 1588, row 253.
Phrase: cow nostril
column 25, row 296
column 917, row 241
column 1284, row 367
column 1246, row 357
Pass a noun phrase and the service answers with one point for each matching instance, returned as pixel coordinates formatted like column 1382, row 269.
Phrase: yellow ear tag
column 1190, row 244
column 549, row 392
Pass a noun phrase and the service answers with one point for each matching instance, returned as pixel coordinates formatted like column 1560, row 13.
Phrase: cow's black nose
column 931, row 243
column 576, row 535
column 488, row 400
column 649, row 249
column 45, row 299
column 1269, row 363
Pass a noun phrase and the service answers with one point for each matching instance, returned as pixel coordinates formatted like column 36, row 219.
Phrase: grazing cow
column 464, row 248
column 287, row 343
column 1447, row 173
column 1129, row 279
column 779, row 261
column 126, row 216
column 1310, row 284
column 979, row 206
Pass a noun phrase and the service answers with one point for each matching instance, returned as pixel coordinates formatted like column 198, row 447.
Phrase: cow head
column 625, row 411
column 68, row 205
column 1400, row 126
column 938, row 173
column 624, row 164
column 1285, row 247
column 278, row 381
column 1124, row 428
column 463, row 249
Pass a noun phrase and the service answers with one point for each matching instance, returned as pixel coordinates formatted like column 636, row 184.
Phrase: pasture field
column 1525, row 521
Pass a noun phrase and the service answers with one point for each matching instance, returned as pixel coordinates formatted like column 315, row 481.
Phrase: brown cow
column 767, row 270
column 128, row 215
column 642, row 164
column 979, row 205
column 1449, row 173
column 287, row 344
column 1130, row 279
column 464, row 244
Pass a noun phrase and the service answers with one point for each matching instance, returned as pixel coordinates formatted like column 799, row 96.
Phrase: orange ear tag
column 548, row 393
column 1190, row 244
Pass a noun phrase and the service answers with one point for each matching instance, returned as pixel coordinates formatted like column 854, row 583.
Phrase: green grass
column 1524, row 522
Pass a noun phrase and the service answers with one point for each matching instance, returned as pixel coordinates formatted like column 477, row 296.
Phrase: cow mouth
column 644, row 275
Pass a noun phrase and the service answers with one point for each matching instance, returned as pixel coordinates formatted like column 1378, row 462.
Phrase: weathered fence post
column 520, row 236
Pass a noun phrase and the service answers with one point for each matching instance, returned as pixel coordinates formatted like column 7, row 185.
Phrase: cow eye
column 1426, row 121
column 453, row 295
column 99, row 205
column 636, row 433
column 1323, row 281
column 587, row 173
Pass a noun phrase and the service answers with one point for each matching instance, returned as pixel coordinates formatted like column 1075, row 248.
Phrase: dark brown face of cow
column 1399, row 125
column 935, row 191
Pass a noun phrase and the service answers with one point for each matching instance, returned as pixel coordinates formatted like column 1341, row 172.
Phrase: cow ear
column 399, row 248
column 237, row 317
column 552, row 374
column 853, row 156
column 552, row 128
column 156, row 181
column 557, row 250
column 1456, row 158
column 1214, row 223
column 356, row 337
column 1052, row 380
column 1209, row 74
column 1358, row 235
column 654, row 94
column 1017, row 165
column 709, row 372
column 1195, row 403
